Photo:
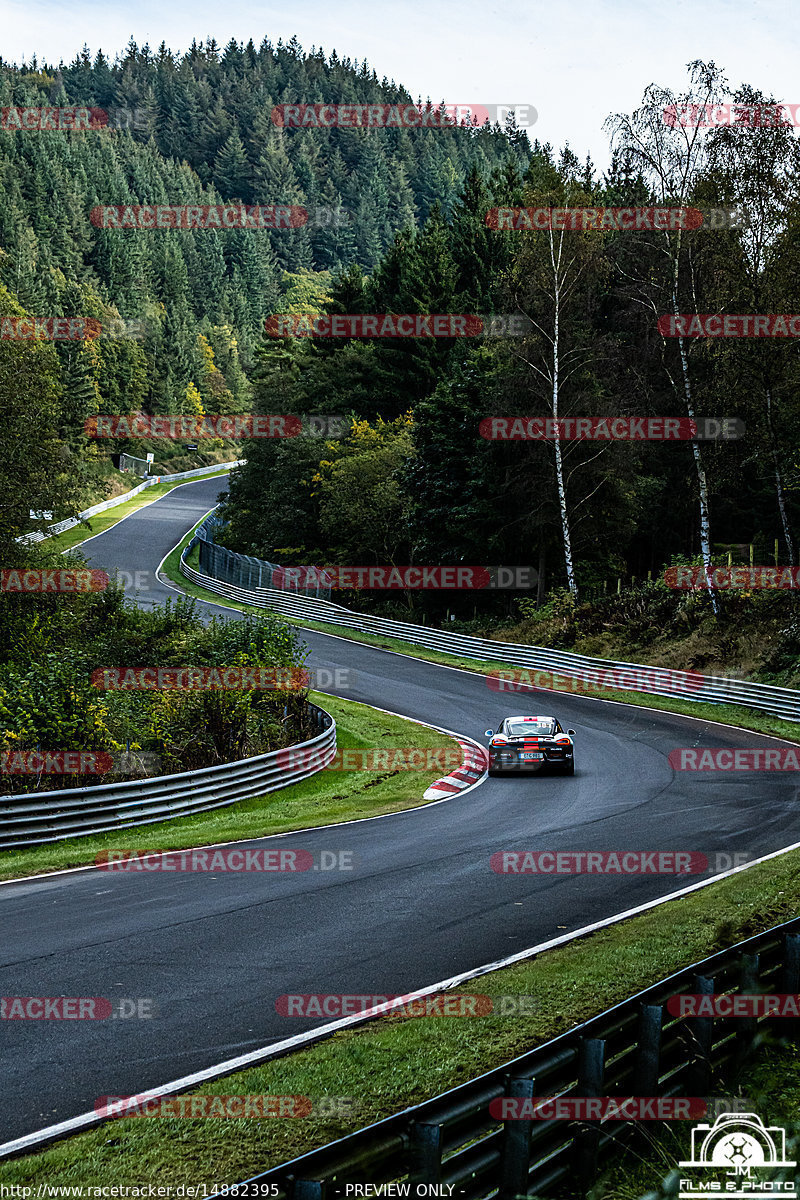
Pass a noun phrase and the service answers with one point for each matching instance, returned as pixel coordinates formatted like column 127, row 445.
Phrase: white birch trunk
column 562, row 491
column 702, row 482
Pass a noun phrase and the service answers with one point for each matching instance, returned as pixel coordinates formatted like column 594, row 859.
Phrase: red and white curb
column 474, row 764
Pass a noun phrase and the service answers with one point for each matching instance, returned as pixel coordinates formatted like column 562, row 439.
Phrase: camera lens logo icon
column 735, row 1145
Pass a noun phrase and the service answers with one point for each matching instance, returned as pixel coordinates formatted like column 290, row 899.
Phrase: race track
column 422, row 903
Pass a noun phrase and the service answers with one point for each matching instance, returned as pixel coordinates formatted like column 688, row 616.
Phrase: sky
column 574, row 61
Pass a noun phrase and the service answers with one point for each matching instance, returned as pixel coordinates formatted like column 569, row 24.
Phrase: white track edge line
column 88, row 1120
column 153, row 500
column 265, row 1053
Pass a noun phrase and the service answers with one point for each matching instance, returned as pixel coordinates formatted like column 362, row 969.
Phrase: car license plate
column 526, row 754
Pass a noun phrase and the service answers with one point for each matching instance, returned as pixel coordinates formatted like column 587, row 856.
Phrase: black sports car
column 529, row 744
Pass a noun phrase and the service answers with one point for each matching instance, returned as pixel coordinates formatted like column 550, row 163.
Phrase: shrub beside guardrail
column 40, row 817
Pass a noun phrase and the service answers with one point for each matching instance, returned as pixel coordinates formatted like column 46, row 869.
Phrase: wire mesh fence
column 245, row 571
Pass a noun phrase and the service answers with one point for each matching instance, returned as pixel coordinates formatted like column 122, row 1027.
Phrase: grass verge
column 768, row 1085
column 103, row 521
column 323, row 799
column 394, row 1062
column 724, row 714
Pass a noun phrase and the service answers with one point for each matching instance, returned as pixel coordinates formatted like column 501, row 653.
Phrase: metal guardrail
column 635, row 1048
column 781, row 702
column 36, row 818
column 70, row 522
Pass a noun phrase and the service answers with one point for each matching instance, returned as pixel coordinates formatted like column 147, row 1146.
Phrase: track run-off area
column 214, row 951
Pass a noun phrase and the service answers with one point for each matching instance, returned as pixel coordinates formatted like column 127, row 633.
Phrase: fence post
column 515, row 1154
column 749, row 984
column 701, row 1034
column 790, row 982
column 648, row 1049
column 591, row 1072
column 425, row 1153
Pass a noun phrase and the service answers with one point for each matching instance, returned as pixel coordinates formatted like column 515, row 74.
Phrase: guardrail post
column 701, row 1031
column 591, row 1074
column 648, row 1050
column 790, row 983
column 749, row 983
column 516, row 1145
column 308, row 1189
column 425, row 1153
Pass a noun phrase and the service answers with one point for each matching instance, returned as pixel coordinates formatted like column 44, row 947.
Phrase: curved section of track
column 422, row 903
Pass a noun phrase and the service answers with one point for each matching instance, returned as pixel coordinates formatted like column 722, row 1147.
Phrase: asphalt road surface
column 213, row 952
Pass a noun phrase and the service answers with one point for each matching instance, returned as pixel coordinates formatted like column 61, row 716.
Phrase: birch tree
column 672, row 156
column 550, row 279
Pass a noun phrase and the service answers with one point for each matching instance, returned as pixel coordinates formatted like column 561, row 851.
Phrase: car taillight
column 499, row 741
column 563, row 741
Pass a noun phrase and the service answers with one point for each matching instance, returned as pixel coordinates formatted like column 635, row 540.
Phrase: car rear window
column 531, row 728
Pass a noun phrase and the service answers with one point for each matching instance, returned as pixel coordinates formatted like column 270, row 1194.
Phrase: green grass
column 724, row 714
column 103, row 521
column 770, row 1083
column 394, row 1062
column 323, row 799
